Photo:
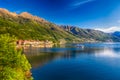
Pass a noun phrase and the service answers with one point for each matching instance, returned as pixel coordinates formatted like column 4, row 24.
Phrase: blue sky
column 100, row 14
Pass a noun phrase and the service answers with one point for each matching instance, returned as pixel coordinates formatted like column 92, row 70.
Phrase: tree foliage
column 13, row 64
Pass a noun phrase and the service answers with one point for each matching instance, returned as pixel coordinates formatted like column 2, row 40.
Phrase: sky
column 101, row 15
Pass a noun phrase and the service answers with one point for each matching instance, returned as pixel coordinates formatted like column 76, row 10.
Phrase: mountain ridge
column 91, row 34
column 27, row 26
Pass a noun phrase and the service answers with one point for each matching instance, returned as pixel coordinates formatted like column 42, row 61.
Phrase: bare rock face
column 6, row 12
column 30, row 16
column 3, row 10
column 26, row 15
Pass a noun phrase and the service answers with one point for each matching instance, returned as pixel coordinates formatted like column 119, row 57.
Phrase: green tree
column 13, row 64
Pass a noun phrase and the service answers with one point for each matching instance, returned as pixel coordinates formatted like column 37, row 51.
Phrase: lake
column 96, row 61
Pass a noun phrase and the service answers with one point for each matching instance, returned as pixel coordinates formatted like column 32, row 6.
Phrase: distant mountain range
column 116, row 33
column 90, row 34
column 28, row 27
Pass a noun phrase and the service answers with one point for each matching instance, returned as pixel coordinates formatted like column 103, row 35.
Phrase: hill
column 25, row 26
column 117, row 34
column 90, row 34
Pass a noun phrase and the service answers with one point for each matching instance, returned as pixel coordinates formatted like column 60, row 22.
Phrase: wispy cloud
column 118, row 21
column 110, row 29
column 78, row 4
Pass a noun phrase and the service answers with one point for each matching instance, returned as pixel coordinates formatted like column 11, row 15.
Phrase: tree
column 13, row 64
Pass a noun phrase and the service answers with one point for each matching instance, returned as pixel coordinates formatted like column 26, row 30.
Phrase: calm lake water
column 96, row 61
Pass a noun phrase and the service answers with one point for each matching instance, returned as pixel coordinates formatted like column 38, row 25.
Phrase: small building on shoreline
column 34, row 43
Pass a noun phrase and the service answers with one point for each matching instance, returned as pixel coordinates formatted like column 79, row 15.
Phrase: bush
column 13, row 64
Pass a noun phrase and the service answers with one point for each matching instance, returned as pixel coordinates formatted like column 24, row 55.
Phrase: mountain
column 90, row 34
column 25, row 26
column 116, row 33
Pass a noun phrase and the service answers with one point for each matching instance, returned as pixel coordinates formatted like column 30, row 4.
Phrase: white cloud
column 118, row 21
column 77, row 4
column 82, row 2
column 109, row 30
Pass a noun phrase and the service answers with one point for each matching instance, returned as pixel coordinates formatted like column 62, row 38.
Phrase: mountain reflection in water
column 104, row 56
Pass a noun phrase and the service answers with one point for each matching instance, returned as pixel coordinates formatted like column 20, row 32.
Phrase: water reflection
column 108, row 52
column 97, row 61
column 40, row 56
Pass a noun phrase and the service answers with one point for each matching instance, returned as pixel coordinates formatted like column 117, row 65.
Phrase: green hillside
column 90, row 34
column 28, row 27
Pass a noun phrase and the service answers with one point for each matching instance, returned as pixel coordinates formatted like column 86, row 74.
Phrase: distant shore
column 33, row 43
